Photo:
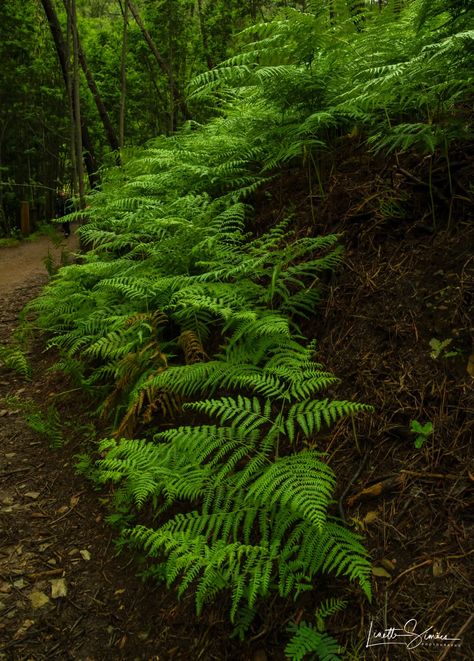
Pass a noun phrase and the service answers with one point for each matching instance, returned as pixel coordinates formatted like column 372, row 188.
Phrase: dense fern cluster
column 176, row 310
column 396, row 75
column 260, row 519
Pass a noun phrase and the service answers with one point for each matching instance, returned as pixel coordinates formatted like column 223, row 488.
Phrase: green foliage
column 308, row 638
column 439, row 348
column 422, row 432
column 14, row 358
column 261, row 521
column 46, row 423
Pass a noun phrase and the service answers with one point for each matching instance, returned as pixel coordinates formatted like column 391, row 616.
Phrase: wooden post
column 25, row 219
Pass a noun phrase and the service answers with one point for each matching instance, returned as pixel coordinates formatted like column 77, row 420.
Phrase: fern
column 14, row 358
column 307, row 638
column 262, row 519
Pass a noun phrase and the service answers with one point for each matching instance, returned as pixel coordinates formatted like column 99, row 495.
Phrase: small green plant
column 439, row 348
column 309, row 638
column 422, row 432
column 9, row 242
column 45, row 423
column 15, row 359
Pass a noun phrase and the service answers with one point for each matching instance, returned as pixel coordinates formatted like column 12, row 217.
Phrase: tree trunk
column 175, row 94
column 205, row 41
column 77, row 101
column 70, row 98
column 123, row 75
column 60, row 44
column 101, row 109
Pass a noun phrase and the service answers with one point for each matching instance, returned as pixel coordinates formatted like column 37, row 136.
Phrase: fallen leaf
column 32, row 494
column 27, row 624
column 3, row 412
column 388, row 564
column 58, row 588
column 470, row 365
column 19, row 583
column 380, row 572
column 85, row 554
column 74, row 500
column 378, row 489
column 38, row 599
column 438, row 569
column 63, row 509
column 369, row 518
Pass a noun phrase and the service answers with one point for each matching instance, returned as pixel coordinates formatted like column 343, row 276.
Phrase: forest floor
column 66, row 594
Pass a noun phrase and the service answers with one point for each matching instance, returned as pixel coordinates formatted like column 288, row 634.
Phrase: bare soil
column 22, row 264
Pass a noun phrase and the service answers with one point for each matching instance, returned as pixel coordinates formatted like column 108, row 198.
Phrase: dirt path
column 64, row 591
column 21, row 264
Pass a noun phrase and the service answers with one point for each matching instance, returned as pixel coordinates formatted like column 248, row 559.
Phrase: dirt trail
column 20, row 264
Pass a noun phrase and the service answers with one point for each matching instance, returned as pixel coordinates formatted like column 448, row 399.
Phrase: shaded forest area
column 262, row 359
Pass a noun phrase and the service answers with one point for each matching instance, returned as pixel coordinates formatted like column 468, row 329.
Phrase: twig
column 410, row 569
column 17, row 470
column 442, row 476
column 47, row 572
column 458, row 635
column 351, row 482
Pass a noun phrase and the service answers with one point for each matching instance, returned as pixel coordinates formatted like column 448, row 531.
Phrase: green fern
column 307, row 638
column 261, row 519
column 14, row 358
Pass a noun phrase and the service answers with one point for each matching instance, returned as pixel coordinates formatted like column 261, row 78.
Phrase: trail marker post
column 25, row 218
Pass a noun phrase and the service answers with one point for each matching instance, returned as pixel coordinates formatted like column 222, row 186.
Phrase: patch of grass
column 9, row 242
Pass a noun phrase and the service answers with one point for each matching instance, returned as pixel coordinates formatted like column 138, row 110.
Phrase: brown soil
column 402, row 285
column 21, row 264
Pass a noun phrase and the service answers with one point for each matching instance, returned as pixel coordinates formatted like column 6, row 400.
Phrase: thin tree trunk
column 101, row 109
column 123, row 76
column 164, row 66
column 70, row 98
column 77, row 102
column 205, row 41
column 61, row 50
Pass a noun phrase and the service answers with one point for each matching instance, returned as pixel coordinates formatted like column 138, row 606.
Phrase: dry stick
column 17, row 470
column 48, row 572
column 458, row 635
column 410, row 569
column 342, row 513
column 442, row 476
